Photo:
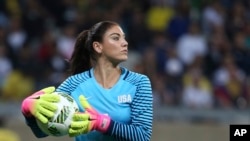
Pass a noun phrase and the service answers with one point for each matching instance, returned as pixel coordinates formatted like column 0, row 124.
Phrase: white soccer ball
column 59, row 124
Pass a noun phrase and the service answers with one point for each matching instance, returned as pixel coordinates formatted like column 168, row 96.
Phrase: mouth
column 125, row 51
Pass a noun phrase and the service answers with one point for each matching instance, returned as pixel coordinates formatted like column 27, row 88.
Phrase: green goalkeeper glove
column 89, row 120
column 40, row 104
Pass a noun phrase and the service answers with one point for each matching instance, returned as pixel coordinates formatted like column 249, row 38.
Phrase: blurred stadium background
column 196, row 53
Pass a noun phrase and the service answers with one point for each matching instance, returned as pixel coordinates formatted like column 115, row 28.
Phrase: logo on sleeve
column 126, row 98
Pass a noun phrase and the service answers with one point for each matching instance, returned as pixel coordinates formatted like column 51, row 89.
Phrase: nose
column 124, row 43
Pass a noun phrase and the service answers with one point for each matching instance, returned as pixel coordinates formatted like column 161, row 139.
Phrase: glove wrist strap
column 103, row 123
column 26, row 106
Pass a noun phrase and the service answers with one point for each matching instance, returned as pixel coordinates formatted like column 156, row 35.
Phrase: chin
column 123, row 59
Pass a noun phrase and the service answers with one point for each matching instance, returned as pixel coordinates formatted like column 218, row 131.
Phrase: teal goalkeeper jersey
column 128, row 103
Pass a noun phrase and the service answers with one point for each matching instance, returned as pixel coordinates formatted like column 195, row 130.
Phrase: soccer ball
column 59, row 124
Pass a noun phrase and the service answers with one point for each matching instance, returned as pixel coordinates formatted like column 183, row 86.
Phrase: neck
column 107, row 75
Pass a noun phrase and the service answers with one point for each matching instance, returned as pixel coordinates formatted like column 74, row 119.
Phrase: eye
column 115, row 38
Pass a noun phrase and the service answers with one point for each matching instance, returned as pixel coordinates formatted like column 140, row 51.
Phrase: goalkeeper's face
column 114, row 46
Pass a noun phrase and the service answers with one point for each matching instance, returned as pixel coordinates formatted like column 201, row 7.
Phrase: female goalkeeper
column 115, row 103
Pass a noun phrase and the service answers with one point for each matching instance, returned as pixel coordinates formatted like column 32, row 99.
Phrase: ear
column 97, row 47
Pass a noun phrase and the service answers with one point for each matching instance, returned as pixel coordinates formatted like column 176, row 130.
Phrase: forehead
column 114, row 29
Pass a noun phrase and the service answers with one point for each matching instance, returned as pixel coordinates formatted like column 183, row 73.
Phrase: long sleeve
column 31, row 122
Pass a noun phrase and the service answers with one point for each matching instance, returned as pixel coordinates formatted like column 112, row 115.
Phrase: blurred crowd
column 196, row 52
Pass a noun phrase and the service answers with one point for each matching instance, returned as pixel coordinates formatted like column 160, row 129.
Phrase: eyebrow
column 116, row 34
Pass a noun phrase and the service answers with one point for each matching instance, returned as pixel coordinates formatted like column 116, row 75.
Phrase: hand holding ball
column 59, row 124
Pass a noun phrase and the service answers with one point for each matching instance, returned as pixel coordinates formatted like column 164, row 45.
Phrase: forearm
column 139, row 129
column 31, row 122
column 130, row 132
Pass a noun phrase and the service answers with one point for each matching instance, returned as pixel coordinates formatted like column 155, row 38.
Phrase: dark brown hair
column 84, row 53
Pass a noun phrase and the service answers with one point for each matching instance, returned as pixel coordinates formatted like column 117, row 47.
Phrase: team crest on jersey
column 126, row 98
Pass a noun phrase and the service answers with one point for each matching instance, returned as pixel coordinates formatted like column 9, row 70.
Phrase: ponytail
column 84, row 55
column 80, row 60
